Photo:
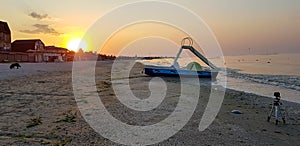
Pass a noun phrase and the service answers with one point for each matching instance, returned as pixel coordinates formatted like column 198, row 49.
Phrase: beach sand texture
column 38, row 107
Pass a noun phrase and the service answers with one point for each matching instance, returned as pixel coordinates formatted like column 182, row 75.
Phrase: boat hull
column 171, row 71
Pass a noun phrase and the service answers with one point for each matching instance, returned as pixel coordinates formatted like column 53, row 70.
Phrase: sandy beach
column 38, row 108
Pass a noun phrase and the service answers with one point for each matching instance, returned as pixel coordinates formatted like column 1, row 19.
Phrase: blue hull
column 170, row 71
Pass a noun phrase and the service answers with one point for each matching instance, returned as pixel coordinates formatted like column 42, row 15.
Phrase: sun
column 76, row 44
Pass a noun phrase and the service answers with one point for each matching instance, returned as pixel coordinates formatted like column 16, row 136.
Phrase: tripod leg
column 270, row 114
column 282, row 115
column 276, row 114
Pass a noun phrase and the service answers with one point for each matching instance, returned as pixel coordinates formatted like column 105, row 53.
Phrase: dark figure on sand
column 14, row 65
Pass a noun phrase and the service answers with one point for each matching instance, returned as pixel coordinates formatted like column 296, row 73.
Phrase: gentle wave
column 289, row 82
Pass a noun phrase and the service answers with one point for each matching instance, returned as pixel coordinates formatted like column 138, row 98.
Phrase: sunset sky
column 264, row 26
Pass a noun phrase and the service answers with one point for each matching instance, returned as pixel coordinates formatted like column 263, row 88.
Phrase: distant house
column 57, row 54
column 35, row 47
column 5, row 37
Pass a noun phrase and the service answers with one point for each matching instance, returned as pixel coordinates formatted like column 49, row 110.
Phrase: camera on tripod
column 277, row 99
column 277, row 109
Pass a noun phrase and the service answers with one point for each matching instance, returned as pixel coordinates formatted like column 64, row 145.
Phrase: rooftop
column 4, row 27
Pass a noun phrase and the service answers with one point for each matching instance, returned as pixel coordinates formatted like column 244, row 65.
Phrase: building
column 31, row 50
column 34, row 45
column 34, row 48
column 57, row 54
column 5, row 37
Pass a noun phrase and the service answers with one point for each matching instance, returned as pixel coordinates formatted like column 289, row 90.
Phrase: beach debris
column 236, row 112
column 41, row 81
column 69, row 118
column 277, row 131
column 34, row 122
column 64, row 142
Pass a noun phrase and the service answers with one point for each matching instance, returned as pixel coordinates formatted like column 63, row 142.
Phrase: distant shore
column 38, row 107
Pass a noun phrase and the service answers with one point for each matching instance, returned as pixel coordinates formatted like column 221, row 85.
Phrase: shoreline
column 36, row 68
column 49, row 96
column 264, row 85
column 264, row 96
column 40, row 68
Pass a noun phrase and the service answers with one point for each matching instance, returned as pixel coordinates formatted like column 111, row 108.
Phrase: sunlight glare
column 76, row 44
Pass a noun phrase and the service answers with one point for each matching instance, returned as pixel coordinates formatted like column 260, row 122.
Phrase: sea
column 257, row 74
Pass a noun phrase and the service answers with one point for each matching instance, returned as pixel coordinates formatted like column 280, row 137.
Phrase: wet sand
column 38, row 107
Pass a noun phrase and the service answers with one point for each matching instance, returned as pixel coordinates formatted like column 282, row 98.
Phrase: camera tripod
column 277, row 110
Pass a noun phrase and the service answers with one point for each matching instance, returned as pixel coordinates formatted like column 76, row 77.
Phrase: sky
column 266, row 27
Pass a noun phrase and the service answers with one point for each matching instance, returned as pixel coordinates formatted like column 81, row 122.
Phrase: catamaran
column 193, row 69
